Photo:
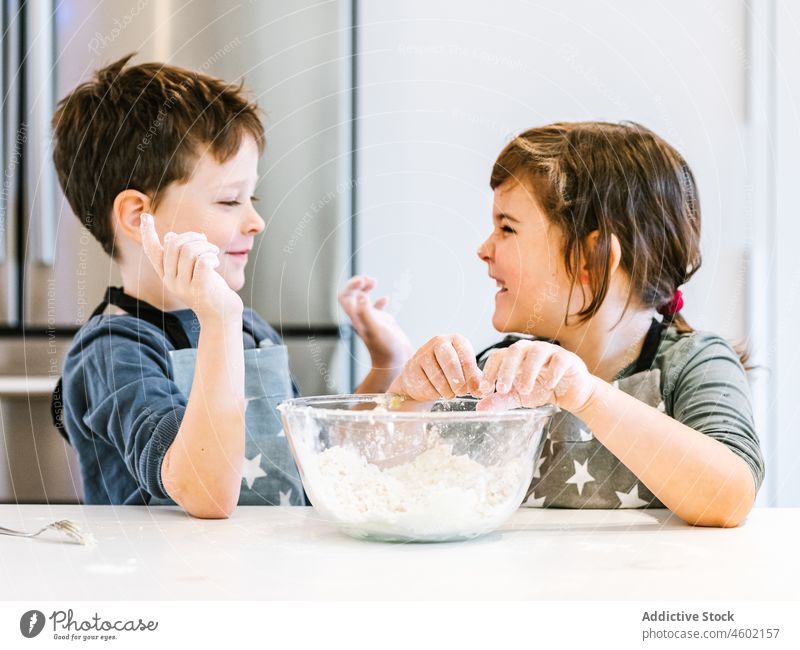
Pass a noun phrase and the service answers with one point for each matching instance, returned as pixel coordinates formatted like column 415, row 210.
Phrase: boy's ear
column 590, row 246
column 127, row 212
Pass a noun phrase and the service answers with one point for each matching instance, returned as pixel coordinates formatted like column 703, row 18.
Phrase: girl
column 595, row 228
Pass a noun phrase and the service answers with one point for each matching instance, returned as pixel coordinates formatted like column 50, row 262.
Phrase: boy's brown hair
column 141, row 128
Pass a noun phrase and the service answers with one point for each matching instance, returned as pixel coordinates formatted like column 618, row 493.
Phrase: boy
column 150, row 154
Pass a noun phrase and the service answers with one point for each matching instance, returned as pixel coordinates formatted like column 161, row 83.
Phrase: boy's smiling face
column 217, row 200
column 524, row 254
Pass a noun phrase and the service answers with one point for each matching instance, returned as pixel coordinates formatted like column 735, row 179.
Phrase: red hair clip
column 674, row 305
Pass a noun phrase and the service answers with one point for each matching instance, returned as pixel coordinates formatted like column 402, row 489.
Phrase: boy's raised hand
column 533, row 373
column 388, row 345
column 185, row 263
column 444, row 367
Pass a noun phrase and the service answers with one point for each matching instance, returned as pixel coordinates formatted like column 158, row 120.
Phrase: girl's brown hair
column 616, row 179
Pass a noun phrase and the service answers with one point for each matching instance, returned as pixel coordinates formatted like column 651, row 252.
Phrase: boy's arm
column 201, row 470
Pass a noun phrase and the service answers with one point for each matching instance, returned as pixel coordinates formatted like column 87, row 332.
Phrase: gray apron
column 269, row 475
column 574, row 470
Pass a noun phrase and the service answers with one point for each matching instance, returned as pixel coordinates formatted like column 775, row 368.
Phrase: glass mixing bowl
column 392, row 469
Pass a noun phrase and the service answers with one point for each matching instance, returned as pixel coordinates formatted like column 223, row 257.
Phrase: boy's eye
column 235, row 202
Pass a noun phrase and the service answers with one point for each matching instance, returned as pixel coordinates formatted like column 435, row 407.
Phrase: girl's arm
column 388, row 346
column 697, row 477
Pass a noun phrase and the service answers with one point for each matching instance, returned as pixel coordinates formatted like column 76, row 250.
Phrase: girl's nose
column 485, row 250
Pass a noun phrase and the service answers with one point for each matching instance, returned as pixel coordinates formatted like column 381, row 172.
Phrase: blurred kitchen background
column 383, row 120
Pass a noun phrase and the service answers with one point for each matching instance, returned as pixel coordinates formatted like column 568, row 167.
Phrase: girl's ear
column 590, row 246
column 127, row 211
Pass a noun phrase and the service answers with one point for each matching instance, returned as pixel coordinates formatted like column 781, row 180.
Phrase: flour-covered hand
column 532, row 373
column 186, row 264
column 444, row 367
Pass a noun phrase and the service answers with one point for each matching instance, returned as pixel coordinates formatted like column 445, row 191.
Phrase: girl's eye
column 507, row 229
column 254, row 199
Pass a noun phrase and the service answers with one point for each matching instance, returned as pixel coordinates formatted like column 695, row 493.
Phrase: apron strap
column 644, row 362
column 508, row 341
column 168, row 323
column 650, row 347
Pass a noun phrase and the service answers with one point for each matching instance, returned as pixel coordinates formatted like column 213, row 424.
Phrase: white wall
column 782, row 256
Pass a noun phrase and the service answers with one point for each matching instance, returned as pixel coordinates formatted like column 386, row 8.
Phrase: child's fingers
column 499, row 402
column 150, row 243
column 490, row 369
column 360, row 281
column 414, row 383
column 435, row 376
column 380, row 303
column 351, row 285
column 450, row 364
column 348, row 303
column 357, row 283
column 508, row 369
column 172, row 248
column 188, row 257
column 363, row 311
column 205, row 263
column 469, row 366
column 531, row 367
column 557, row 367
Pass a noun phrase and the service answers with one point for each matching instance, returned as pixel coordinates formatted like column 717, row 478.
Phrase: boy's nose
column 254, row 224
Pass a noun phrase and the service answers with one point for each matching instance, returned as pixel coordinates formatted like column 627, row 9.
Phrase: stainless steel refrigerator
column 296, row 60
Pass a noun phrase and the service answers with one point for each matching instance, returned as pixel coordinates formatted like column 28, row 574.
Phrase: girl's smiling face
column 524, row 254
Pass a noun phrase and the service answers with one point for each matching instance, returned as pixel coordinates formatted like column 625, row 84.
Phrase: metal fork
column 63, row 525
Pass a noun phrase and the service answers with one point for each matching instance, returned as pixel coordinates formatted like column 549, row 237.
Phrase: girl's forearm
column 696, row 477
column 202, row 467
column 377, row 380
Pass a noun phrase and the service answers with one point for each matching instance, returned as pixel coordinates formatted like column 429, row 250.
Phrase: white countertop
column 291, row 553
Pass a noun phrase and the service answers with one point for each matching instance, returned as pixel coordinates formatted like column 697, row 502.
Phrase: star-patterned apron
column 574, row 470
column 269, row 474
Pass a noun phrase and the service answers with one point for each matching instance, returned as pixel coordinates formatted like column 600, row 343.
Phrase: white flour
column 438, row 495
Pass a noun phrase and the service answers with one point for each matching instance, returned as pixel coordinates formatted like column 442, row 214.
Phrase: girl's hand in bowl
column 533, row 373
column 444, row 367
